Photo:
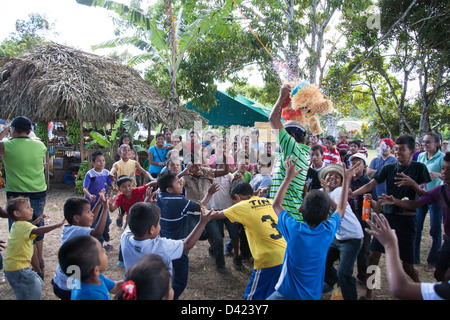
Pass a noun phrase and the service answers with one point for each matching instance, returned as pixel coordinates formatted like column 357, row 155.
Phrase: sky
column 76, row 25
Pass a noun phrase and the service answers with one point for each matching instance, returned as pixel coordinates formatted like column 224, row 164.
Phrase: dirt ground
column 204, row 282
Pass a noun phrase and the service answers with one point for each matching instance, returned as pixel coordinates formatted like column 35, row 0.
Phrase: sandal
column 108, row 247
column 119, row 223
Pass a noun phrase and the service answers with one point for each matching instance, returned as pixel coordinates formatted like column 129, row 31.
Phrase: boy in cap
column 291, row 137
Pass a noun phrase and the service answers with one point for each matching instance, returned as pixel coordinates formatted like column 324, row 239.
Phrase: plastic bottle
column 366, row 210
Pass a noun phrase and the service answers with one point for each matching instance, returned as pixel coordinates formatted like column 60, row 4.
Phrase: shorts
column 405, row 229
column 443, row 255
column 26, row 284
column 262, row 283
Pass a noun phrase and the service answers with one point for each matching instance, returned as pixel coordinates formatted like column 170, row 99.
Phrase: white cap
column 360, row 156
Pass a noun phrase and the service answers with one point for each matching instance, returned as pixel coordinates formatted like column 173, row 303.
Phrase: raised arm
column 100, row 226
column 211, row 190
column 291, row 172
column 348, row 174
column 275, row 115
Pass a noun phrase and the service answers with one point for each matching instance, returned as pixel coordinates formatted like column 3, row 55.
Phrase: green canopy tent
column 234, row 111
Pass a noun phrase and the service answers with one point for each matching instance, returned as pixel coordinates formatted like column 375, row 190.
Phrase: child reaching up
column 142, row 236
column 87, row 254
column 303, row 269
column 26, row 283
column 80, row 218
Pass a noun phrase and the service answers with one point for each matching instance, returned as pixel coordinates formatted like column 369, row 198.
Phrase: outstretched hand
column 291, row 168
column 386, row 199
column 381, row 230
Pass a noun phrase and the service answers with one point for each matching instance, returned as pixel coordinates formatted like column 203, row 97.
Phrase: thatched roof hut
column 54, row 82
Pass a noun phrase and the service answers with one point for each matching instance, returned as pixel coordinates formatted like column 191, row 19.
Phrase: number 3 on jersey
column 273, row 224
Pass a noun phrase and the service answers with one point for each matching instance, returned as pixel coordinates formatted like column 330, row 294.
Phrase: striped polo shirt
column 294, row 194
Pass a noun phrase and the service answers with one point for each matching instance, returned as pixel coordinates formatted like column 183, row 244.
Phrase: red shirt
column 342, row 145
column 363, row 151
column 331, row 156
column 137, row 195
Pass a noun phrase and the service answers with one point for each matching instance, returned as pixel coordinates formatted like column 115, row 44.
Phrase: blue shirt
column 84, row 291
column 377, row 164
column 303, row 269
column 174, row 209
column 96, row 181
column 159, row 155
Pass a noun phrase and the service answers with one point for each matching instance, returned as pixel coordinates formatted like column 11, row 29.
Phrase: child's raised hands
column 150, row 196
column 291, row 168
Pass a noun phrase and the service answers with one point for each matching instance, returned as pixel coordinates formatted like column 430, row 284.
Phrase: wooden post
column 82, row 152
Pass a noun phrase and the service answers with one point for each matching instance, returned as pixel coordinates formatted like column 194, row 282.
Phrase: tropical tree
column 164, row 40
column 28, row 34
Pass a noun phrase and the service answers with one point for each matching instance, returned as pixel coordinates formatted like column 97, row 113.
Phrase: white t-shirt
column 133, row 250
column 68, row 232
column 350, row 227
column 428, row 291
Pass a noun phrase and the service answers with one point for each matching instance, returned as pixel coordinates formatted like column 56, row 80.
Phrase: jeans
column 26, row 284
column 346, row 251
column 214, row 232
column 435, row 232
column 180, row 271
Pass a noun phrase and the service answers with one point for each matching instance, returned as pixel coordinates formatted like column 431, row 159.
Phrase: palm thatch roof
column 55, row 82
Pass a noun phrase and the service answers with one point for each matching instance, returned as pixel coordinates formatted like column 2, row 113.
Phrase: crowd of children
column 295, row 208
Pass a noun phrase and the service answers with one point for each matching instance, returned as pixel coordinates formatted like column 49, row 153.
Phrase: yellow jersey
column 260, row 222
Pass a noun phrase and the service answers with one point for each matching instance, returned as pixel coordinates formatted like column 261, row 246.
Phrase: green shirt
column 294, row 194
column 24, row 165
column 433, row 165
column 247, row 176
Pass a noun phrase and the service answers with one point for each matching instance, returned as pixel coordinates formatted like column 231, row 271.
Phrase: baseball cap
column 294, row 127
column 387, row 141
column 22, row 123
column 359, row 156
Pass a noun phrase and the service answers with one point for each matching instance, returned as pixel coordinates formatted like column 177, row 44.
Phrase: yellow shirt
column 19, row 248
column 260, row 222
column 128, row 169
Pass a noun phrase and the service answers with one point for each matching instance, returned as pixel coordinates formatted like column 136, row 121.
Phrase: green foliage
column 85, row 166
column 42, row 132
column 73, row 132
column 28, row 34
column 108, row 141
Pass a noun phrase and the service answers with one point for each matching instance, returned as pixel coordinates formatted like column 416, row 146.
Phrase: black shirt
column 415, row 170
